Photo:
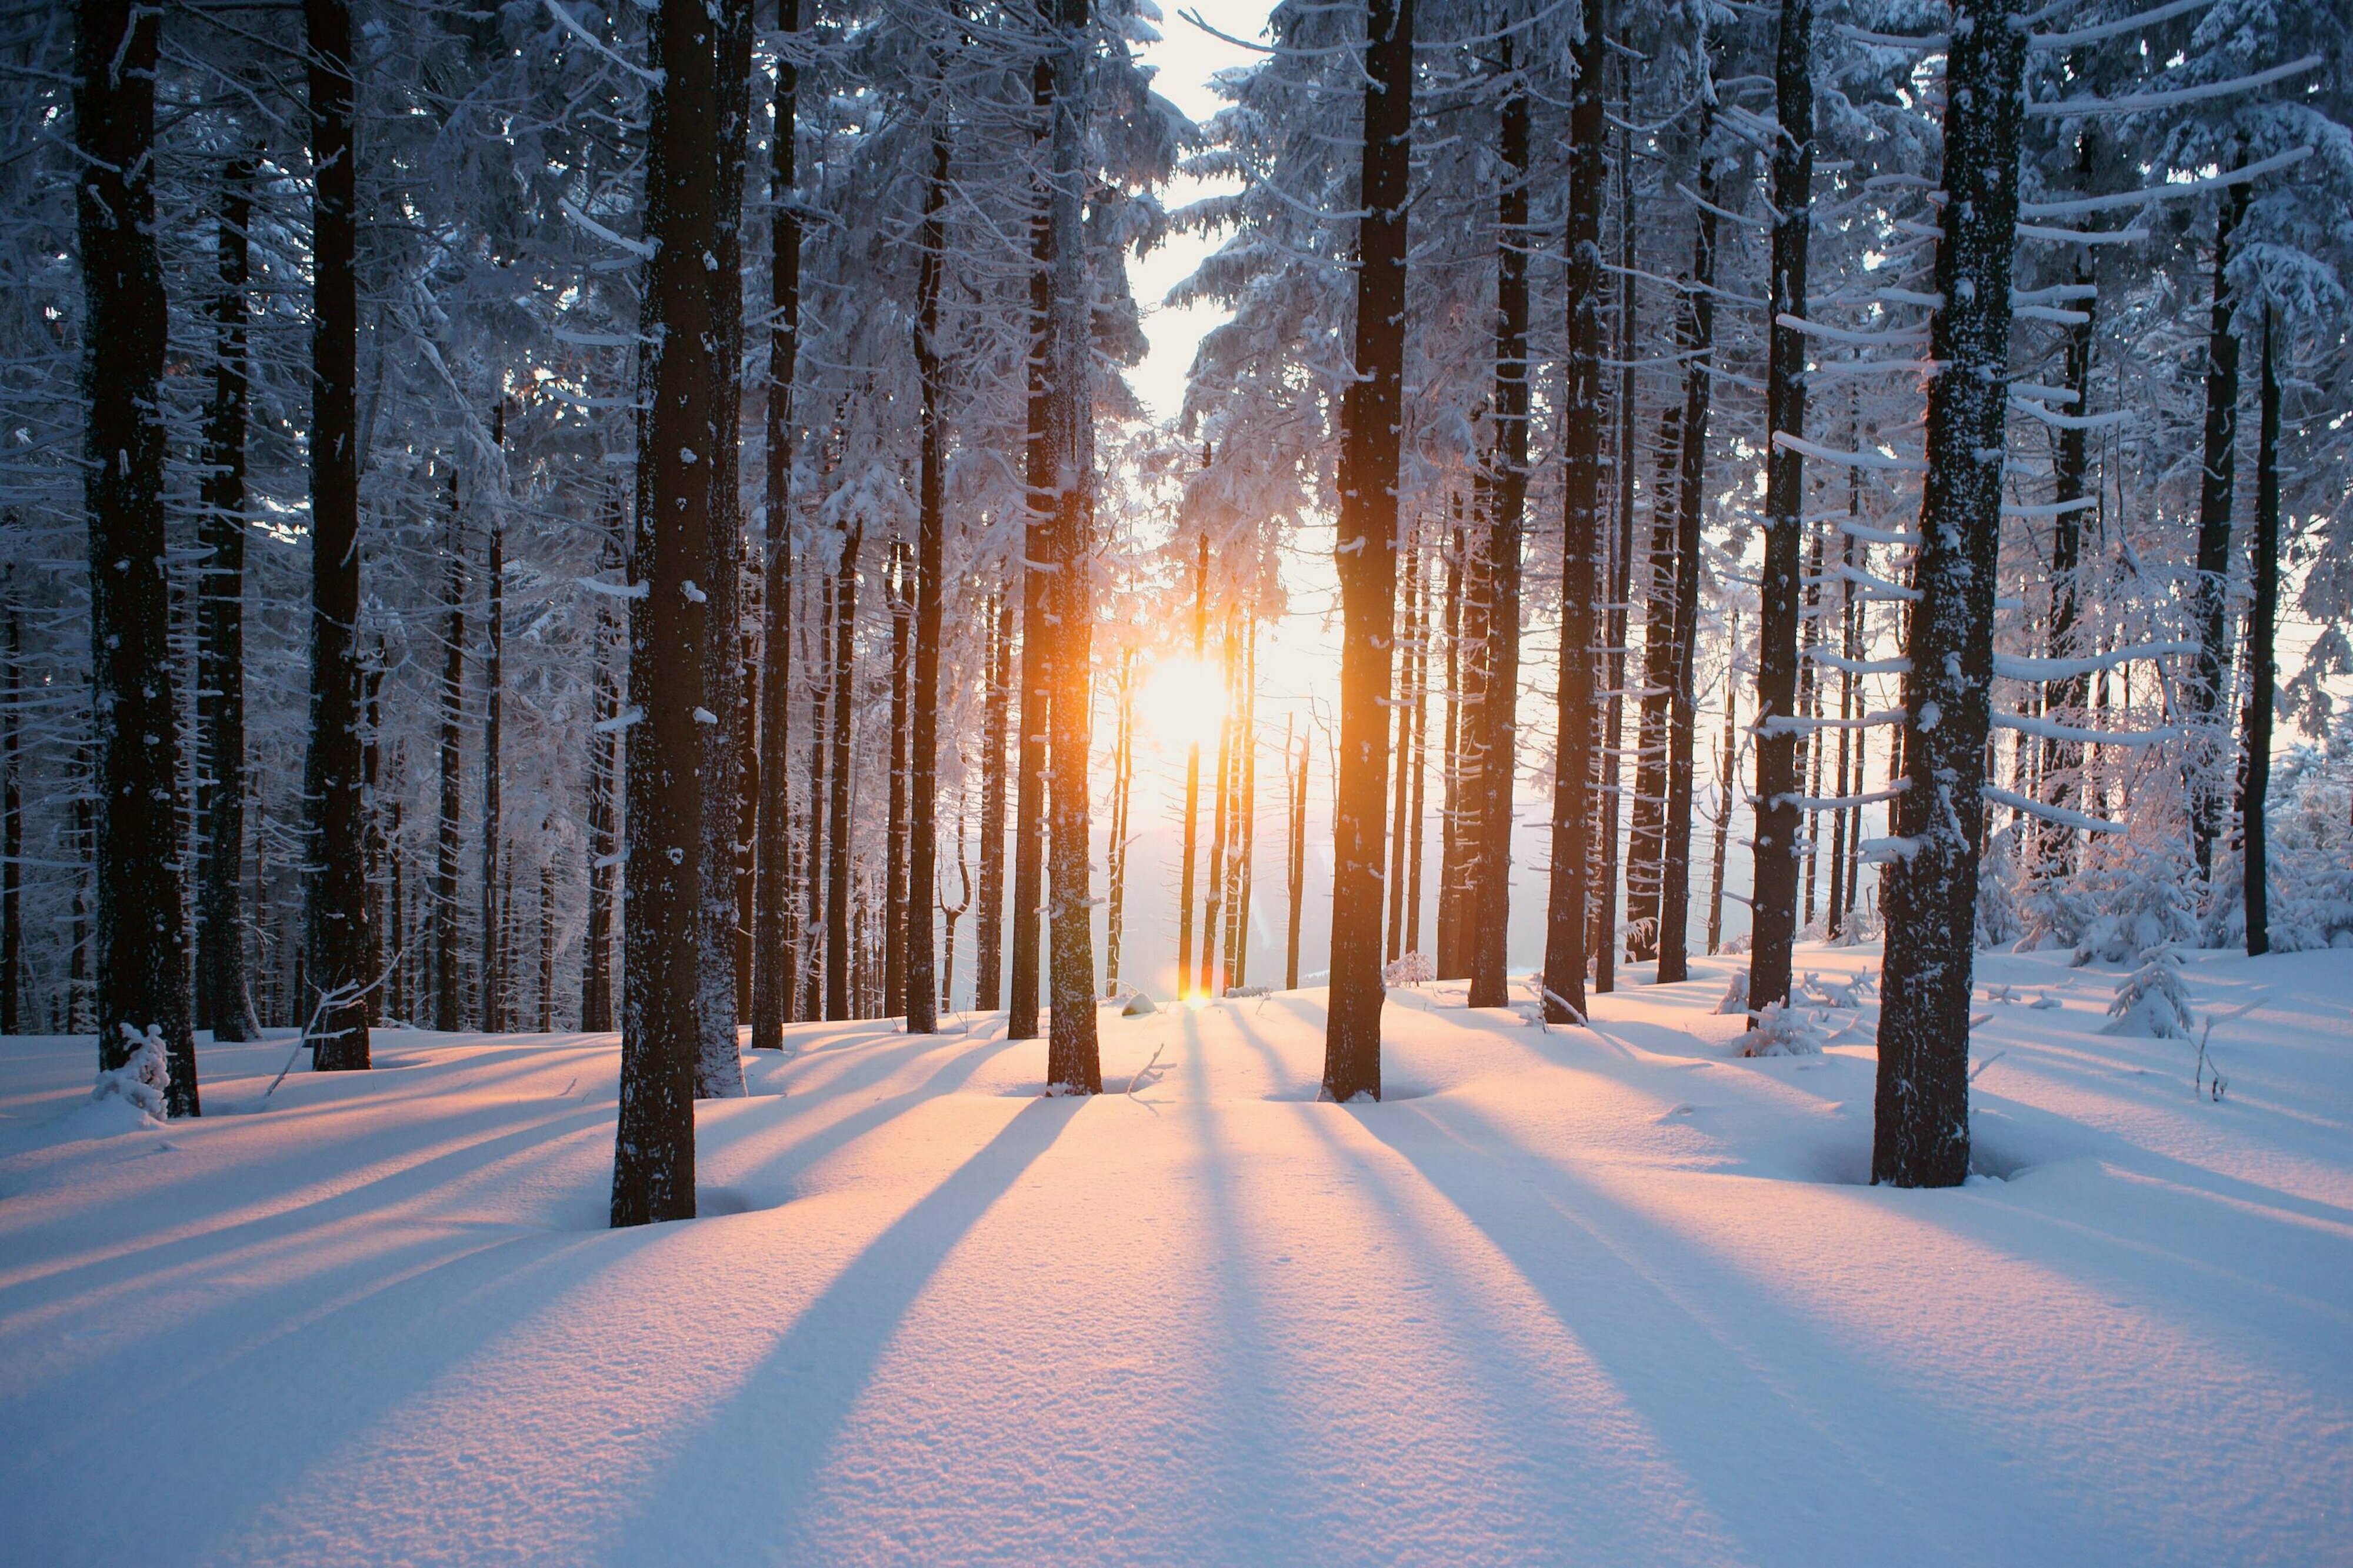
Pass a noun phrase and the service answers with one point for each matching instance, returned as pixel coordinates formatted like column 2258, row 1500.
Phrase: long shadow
column 1780, row 1393
column 737, row 1487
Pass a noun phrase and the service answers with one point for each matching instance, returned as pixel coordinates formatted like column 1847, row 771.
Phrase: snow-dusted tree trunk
column 335, row 912
column 718, row 1068
column 143, row 958
column 653, row 1165
column 901, row 602
column 1037, row 609
column 2263, row 667
column 1370, row 413
column 223, row 997
column 2217, row 491
column 1604, row 939
column 2062, row 759
column 603, row 817
column 447, row 821
column 1498, row 717
column 1691, row 506
column 844, row 683
column 922, row 977
column 494, row 1009
column 1921, row 1116
column 1584, row 533
column 1780, row 825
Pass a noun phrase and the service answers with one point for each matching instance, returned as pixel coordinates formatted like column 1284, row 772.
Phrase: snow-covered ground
column 1610, row 1297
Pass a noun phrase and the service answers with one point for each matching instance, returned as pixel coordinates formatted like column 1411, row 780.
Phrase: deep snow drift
column 1605, row 1297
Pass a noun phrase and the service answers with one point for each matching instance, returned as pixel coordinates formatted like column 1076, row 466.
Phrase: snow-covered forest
column 644, row 535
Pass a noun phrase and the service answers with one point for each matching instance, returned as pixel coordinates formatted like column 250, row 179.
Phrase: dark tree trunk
column 1779, row 824
column 603, row 823
column 2218, row 487
column 1921, row 1116
column 335, row 936
column 1370, row 414
column 1451, row 870
column 1727, row 759
column 1647, row 841
column 1185, row 984
column 143, row 958
column 773, row 970
column 837, row 1005
column 1036, row 610
column 2263, row 668
column 223, row 995
column 547, row 933
column 922, row 977
column 1622, row 580
column 682, row 429
column 718, row 1065
column 1419, row 771
column 1690, row 504
column 1583, row 536
column 1498, row 718
column 812, row 1002
column 1073, row 1063
column 494, row 933
column 447, row 825
column 988, row 975
column 900, row 603
column 11, row 827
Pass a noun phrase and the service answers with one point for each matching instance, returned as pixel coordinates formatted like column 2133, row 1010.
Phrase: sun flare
column 1183, row 703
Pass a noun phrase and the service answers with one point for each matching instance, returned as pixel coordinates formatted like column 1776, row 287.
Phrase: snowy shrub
column 2310, row 885
column 2000, row 923
column 1782, row 1031
column 1412, row 969
column 2152, row 1002
column 1736, row 996
column 145, row 1079
column 2140, row 901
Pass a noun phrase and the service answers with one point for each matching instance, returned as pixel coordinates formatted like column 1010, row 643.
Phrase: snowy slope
column 1607, row 1296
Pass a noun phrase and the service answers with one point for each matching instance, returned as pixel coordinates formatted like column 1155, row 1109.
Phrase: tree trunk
column 828, row 589
column 1245, row 815
column 1036, row 628
column 837, row 1005
column 1498, row 718
column 1408, row 632
column 1298, row 857
column 2263, row 668
column 1210, row 928
column 1691, row 505
column 1621, row 579
column 494, row 954
column 1728, row 763
column 1073, row 1063
column 12, row 826
column 335, row 916
column 900, row 603
column 1921, row 1118
column 773, row 970
column 1779, row 825
column 1449, row 838
column 604, row 779
column 1583, row 536
column 1123, row 780
column 2063, row 761
column 922, row 987
column 223, row 997
column 679, row 448
column 1371, row 415
column 1646, row 844
column 2217, row 487
column 1420, row 771
column 547, row 932
column 988, row 976
column 718, row 1065
column 447, row 824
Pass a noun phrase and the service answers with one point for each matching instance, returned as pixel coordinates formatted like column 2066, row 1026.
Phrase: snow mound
column 145, row 1079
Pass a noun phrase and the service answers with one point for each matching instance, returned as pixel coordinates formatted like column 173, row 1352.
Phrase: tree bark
column 1725, row 770
column 837, row 1005
column 2218, row 487
column 604, row 825
column 1691, row 505
column 900, row 603
column 223, row 998
column 1621, row 578
column 447, row 822
column 1123, row 780
column 1409, row 632
column 2263, row 668
column 1451, row 870
column 1921, row 1116
column 1779, row 822
column 1185, row 984
column 494, row 933
column 2063, row 761
column 1036, row 610
column 773, row 970
column 989, row 977
column 922, row 981
column 1371, row 415
column 680, row 447
column 1584, row 535
column 335, row 914
column 1498, row 717
column 12, row 825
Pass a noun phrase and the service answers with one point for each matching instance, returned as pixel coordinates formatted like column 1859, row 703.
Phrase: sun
column 1183, row 703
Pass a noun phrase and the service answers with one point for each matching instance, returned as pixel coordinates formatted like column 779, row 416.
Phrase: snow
column 1608, row 1295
